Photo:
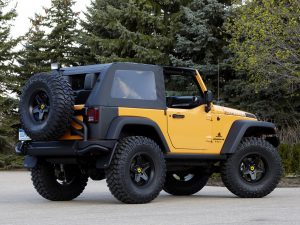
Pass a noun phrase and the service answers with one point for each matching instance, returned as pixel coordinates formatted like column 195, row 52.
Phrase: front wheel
column 185, row 182
column 58, row 182
column 254, row 170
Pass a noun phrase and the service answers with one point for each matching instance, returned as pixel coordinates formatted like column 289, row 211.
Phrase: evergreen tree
column 61, row 41
column 51, row 38
column 34, row 57
column 200, row 42
column 130, row 30
column 7, row 109
column 6, row 44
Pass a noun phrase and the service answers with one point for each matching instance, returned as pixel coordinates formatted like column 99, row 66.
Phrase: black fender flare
column 119, row 122
column 240, row 128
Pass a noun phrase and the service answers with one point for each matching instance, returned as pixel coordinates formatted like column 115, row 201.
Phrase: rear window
column 132, row 84
column 77, row 81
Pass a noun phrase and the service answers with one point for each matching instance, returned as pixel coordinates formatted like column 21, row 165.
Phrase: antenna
column 218, row 81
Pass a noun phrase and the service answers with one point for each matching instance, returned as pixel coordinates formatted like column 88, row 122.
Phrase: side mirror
column 208, row 100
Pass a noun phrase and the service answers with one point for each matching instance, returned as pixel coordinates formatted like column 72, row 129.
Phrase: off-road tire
column 45, row 182
column 61, row 99
column 118, row 174
column 190, row 187
column 232, row 179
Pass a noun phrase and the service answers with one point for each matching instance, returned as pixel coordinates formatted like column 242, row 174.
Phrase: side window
column 132, row 84
column 181, row 85
column 182, row 91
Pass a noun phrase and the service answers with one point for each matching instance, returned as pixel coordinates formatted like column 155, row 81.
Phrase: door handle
column 177, row 116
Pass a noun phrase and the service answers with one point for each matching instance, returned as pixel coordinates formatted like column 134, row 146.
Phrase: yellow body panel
column 222, row 120
column 156, row 115
column 197, row 133
column 68, row 135
column 193, row 131
column 78, row 107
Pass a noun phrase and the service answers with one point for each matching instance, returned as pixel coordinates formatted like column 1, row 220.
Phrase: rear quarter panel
column 156, row 115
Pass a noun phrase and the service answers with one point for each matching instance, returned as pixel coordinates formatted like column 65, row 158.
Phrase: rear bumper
column 65, row 148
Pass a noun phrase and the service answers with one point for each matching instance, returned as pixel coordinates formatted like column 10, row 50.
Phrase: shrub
column 11, row 162
column 290, row 155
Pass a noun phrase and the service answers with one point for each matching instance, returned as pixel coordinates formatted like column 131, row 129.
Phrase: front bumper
column 65, row 148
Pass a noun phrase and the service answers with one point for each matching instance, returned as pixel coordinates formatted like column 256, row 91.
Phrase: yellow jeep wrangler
column 143, row 128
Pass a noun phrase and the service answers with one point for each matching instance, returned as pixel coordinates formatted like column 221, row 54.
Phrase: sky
column 27, row 8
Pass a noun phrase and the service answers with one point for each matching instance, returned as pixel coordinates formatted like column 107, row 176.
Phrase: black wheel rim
column 141, row 170
column 253, row 168
column 64, row 176
column 39, row 106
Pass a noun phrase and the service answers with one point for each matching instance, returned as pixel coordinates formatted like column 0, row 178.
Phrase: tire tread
column 63, row 103
column 113, row 175
column 229, row 180
column 43, row 184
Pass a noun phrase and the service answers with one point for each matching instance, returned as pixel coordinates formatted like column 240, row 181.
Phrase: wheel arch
column 137, row 126
column 249, row 128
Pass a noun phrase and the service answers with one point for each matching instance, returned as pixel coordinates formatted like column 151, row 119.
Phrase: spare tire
column 46, row 106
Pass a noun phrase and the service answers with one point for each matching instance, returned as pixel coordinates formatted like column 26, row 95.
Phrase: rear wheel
column 58, row 182
column 137, row 171
column 254, row 170
column 185, row 182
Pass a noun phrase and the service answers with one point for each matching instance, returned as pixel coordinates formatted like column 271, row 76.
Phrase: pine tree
column 34, row 57
column 130, row 30
column 6, row 44
column 62, row 21
column 7, row 79
column 51, row 38
column 200, row 42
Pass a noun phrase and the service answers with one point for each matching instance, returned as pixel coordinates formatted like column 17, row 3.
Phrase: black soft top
column 101, row 93
column 77, row 70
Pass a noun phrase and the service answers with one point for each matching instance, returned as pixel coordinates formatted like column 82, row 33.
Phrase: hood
column 233, row 112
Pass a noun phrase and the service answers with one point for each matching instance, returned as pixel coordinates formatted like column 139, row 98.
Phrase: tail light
column 92, row 115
